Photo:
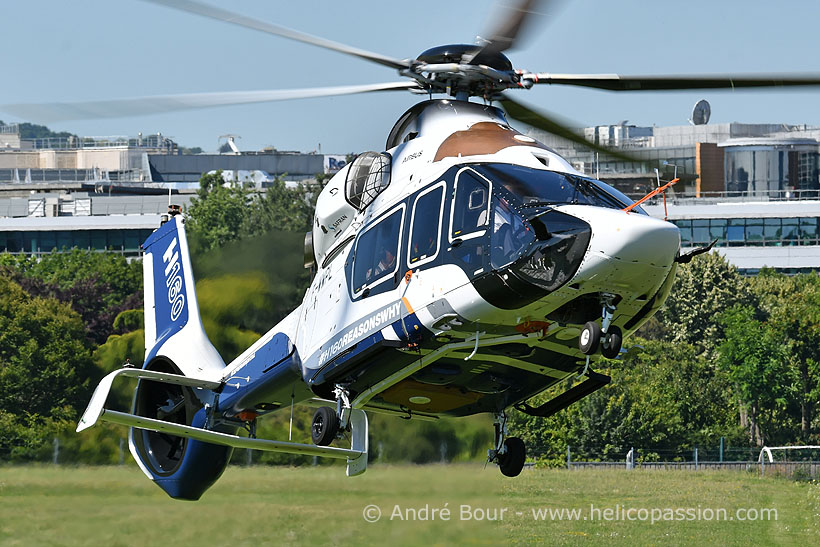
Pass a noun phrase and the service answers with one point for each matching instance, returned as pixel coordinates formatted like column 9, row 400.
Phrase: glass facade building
column 761, row 166
column 126, row 241
column 749, row 232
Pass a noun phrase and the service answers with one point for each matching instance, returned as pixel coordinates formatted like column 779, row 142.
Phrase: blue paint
column 202, row 464
column 169, row 272
column 274, row 364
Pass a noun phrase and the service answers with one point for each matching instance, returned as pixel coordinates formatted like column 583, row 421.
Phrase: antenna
column 701, row 113
column 232, row 143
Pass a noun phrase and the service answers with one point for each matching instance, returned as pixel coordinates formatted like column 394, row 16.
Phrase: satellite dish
column 701, row 112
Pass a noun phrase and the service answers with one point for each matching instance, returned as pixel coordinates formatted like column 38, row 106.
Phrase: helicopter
column 462, row 270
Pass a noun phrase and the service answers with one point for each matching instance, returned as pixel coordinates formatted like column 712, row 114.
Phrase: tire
column 611, row 346
column 590, row 338
column 325, row 426
column 512, row 461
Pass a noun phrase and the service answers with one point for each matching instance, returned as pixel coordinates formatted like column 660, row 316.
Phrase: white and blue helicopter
column 463, row 270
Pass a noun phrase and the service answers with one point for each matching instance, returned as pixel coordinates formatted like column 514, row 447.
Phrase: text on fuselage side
column 378, row 319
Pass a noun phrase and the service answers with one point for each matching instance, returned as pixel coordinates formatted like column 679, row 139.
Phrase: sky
column 102, row 49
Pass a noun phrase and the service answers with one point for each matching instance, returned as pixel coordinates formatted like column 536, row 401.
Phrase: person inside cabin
column 387, row 261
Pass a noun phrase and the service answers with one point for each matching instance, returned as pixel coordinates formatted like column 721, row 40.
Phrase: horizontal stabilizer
column 356, row 455
column 95, row 406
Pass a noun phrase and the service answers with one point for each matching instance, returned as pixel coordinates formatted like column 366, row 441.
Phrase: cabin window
column 471, row 207
column 425, row 229
column 376, row 254
column 510, row 235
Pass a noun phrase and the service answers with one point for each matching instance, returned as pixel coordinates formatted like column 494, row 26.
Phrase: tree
column 703, row 289
column 98, row 286
column 285, row 209
column 756, row 358
column 663, row 397
column 45, row 367
column 219, row 213
column 792, row 307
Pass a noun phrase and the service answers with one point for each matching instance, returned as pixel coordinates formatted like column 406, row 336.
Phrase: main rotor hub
column 466, row 53
column 463, row 71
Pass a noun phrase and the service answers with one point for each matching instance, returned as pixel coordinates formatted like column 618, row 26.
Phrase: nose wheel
column 590, row 338
column 606, row 336
column 611, row 342
column 511, row 459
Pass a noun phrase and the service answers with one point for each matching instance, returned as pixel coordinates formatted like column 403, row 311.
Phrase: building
column 710, row 160
column 753, row 234
column 44, row 223
column 755, row 188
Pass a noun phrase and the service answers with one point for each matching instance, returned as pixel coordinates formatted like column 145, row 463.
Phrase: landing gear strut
column 328, row 423
column 509, row 452
column 607, row 335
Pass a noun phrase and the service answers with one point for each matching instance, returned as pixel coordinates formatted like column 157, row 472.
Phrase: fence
column 798, row 469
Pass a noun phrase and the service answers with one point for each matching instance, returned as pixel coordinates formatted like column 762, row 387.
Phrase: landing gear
column 509, row 452
column 607, row 335
column 511, row 461
column 590, row 338
column 611, row 342
column 325, row 426
column 328, row 423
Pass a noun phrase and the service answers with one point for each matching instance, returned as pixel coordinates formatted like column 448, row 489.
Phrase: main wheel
column 325, row 426
column 590, row 338
column 511, row 462
column 611, row 344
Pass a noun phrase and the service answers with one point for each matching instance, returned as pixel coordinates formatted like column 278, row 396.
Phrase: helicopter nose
column 635, row 238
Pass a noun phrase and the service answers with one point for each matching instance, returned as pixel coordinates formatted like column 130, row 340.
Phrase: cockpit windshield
column 540, row 187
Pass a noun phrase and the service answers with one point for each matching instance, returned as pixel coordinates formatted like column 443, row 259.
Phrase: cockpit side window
column 471, row 207
column 425, row 228
column 376, row 253
column 510, row 236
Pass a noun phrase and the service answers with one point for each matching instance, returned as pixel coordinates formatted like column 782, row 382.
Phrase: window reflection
column 510, row 235
column 424, row 239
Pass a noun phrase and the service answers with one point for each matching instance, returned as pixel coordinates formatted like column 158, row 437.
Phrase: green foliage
column 34, row 131
column 112, row 356
column 662, row 396
column 226, row 212
column 218, row 215
column 703, row 289
column 129, row 320
column 283, row 208
column 45, row 369
column 417, row 441
column 269, row 277
column 757, row 362
column 96, row 285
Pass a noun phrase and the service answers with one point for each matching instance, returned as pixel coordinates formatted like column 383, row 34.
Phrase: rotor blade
column 508, row 30
column 561, row 128
column 220, row 14
column 505, row 33
column 616, row 82
column 138, row 106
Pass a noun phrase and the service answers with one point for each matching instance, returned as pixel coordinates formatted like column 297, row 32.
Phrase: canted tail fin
column 173, row 327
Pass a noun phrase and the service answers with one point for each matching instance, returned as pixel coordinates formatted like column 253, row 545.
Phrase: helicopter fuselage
column 456, row 277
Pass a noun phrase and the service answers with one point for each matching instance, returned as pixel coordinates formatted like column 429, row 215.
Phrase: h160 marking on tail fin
column 173, row 280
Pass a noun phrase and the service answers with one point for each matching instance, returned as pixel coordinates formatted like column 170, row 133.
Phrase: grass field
column 310, row 506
